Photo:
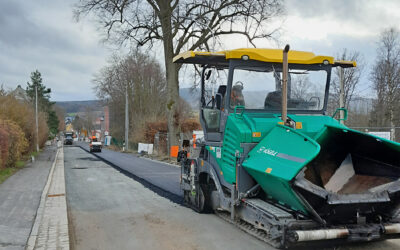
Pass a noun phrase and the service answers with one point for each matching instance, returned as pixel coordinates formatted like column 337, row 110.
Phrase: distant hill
column 80, row 106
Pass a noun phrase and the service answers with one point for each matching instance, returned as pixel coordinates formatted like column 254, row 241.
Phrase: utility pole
column 126, row 118
column 102, row 137
column 341, row 95
column 36, row 118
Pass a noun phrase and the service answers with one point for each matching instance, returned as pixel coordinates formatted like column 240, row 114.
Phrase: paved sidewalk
column 19, row 200
column 50, row 230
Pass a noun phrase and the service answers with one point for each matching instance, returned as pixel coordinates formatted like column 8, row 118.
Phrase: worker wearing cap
column 237, row 98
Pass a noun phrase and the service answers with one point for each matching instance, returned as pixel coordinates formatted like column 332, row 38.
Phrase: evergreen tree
column 44, row 103
column 43, row 93
column 52, row 121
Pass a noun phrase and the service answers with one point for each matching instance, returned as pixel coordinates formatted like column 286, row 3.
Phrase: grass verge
column 7, row 172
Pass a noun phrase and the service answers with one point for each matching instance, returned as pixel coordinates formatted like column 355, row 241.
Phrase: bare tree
column 61, row 117
column 386, row 77
column 181, row 25
column 3, row 92
column 78, row 123
column 144, row 80
column 351, row 78
column 300, row 87
column 89, row 119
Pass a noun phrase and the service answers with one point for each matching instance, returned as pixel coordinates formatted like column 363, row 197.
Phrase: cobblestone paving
column 53, row 227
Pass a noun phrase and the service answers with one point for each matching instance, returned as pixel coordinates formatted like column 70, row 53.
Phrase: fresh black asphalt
column 162, row 178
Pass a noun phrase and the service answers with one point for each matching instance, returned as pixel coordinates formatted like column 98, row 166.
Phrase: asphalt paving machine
column 273, row 163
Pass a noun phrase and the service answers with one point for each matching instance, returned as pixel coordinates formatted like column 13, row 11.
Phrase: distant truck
column 95, row 145
column 69, row 138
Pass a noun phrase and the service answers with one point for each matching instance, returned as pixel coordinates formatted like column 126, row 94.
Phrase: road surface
column 161, row 175
column 109, row 210
column 109, row 207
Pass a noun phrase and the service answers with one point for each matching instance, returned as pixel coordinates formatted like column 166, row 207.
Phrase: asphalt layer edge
column 156, row 189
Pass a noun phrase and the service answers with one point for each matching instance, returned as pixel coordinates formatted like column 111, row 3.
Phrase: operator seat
column 273, row 100
column 222, row 91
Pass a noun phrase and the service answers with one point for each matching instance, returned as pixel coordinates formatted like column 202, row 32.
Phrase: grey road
column 19, row 200
column 161, row 175
column 109, row 210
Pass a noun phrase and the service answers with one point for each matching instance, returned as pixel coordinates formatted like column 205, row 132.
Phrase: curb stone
column 50, row 229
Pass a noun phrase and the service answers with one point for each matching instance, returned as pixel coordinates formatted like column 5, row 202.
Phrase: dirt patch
column 89, row 159
column 167, row 232
column 153, row 219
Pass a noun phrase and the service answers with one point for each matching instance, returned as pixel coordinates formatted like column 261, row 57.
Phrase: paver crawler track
column 250, row 229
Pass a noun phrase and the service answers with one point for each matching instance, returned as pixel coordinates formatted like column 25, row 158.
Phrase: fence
column 160, row 142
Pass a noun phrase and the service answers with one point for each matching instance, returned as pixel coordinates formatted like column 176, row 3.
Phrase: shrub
column 3, row 147
column 152, row 128
column 13, row 143
column 23, row 114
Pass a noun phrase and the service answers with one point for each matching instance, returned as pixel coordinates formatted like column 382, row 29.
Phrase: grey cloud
column 19, row 31
column 345, row 11
column 366, row 47
column 325, row 8
column 32, row 36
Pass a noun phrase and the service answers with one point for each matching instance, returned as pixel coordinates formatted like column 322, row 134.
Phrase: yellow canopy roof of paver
column 221, row 58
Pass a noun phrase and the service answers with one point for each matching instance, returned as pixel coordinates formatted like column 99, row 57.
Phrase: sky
column 43, row 35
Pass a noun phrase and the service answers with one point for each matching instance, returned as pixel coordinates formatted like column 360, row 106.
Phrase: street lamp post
column 102, row 128
column 126, row 119
column 37, row 119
